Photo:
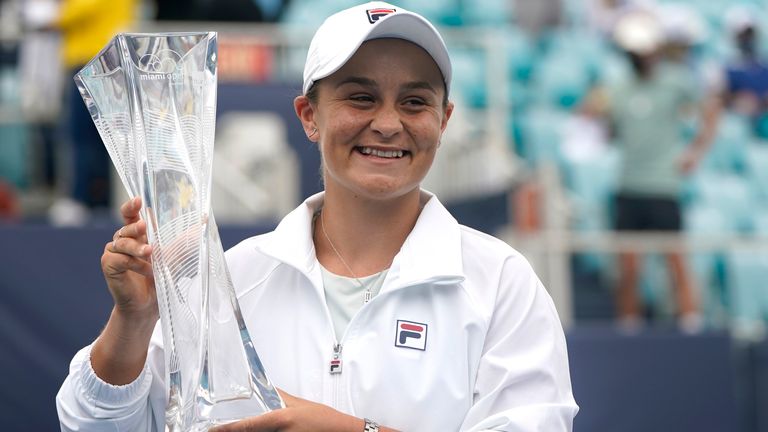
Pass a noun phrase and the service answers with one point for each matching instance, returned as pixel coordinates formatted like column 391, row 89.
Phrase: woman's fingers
column 130, row 210
column 131, row 247
column 131, row 240
column 115, row 264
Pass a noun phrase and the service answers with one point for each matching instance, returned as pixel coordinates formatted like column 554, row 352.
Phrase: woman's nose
column 386, row 121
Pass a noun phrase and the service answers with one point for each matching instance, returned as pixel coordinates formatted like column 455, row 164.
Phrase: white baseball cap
column 741, row 17
column 341, row 34
column 638, row 31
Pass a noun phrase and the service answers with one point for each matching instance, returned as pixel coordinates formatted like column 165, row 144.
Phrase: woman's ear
column 306, row 114
column 444, row 122
column 446, row 116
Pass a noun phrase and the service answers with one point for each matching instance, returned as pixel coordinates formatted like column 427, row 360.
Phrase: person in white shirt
column 435, row 326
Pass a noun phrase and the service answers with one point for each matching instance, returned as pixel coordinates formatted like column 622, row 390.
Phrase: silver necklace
column 367, row 296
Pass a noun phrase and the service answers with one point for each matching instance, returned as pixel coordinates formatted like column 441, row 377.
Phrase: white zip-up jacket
column 462, row 336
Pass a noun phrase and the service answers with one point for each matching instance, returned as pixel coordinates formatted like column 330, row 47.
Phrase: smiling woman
column 380, row 119
column 369, row 301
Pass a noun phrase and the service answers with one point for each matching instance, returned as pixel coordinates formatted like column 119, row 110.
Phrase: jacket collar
column 431, row 252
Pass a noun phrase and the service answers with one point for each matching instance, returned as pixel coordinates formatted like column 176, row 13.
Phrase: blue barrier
column 653, row 381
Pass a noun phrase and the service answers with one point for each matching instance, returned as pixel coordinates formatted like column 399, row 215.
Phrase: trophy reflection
column 153, row 100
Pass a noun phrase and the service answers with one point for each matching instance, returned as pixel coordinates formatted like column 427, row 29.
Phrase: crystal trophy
column 153, row 100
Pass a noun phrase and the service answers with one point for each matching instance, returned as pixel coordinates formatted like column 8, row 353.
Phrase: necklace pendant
column 367, row 296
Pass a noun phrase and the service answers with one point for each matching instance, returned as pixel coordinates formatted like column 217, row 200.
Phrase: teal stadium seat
column 521, row 55
column 562, row 79
column 14, row 154
column 761, row 220
column 757, row 169
column 729, row 193
column 308, row 14
column 728, row 150
column 588, row 47
column 591, row 185
column 487, row 13
column 469, row 76
column 521, row 63
column 540, row 134
column 439, row 12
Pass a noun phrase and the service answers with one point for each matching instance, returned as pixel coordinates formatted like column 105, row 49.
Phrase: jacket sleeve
column 523, row 382
column 86, row 403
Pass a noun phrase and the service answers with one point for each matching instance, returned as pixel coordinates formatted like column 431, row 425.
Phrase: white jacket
column 463, row 336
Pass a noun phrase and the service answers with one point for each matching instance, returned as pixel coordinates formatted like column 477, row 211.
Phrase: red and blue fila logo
column 335, row 366
column 411, row 334
column 375, row 14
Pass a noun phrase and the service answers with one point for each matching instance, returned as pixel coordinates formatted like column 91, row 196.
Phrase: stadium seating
column 728, row 151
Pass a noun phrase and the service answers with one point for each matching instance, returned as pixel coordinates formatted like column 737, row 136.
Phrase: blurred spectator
column 746, row 77
column 646, row 113
column 685, row 34
column 41, row 83
column 585, row 134
column 602, row 15
column 86, row 26
column 538, row 16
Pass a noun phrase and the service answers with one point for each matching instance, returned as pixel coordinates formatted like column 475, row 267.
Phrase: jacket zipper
column 336, row 363
column 335, row 370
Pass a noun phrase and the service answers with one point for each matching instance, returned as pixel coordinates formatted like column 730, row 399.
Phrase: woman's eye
column 415, row 102
column 361, row 98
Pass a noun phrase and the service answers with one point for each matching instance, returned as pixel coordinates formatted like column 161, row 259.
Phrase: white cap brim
column 340, row 36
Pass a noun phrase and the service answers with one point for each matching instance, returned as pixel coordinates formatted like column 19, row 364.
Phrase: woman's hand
column 127, row 268
column 299, row 415
column 119, row 354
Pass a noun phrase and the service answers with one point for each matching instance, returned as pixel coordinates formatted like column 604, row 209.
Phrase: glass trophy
column 153, row 100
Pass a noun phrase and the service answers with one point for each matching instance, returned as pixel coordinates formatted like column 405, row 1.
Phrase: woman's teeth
column 381, row 153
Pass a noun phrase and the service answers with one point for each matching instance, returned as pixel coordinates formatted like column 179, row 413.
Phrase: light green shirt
column 345, row 296
column 648, row 117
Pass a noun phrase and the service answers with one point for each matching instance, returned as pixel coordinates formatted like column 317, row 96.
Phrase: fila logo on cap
column 411, row 334
column 375, row 14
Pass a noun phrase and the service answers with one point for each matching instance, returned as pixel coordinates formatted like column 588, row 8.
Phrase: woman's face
column 379, row 120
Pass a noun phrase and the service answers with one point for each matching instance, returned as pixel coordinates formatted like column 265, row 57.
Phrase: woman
column 371, row 261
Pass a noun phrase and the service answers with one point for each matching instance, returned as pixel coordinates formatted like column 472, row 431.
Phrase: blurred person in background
column 537, row 17
column 602, row 15
column 647, row 113
column 341, row 269
column 85, row 26
column 746, row 76
column 41, row 81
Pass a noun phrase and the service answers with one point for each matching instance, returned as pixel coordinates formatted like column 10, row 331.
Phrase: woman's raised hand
column 127, row 267
column 119, row 354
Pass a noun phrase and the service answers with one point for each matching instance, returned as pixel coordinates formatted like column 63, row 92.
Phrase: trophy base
column 208, row 413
